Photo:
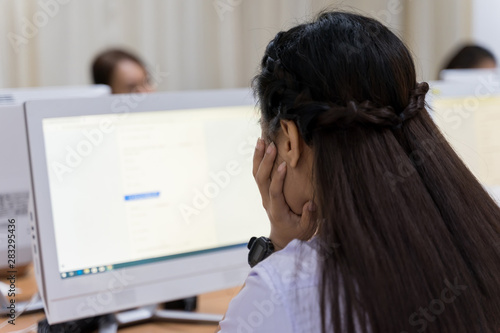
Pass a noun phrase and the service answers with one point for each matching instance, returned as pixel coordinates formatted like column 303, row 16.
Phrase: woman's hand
column 285, row 224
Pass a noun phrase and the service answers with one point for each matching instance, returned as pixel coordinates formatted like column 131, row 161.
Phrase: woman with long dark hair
column 376, row 223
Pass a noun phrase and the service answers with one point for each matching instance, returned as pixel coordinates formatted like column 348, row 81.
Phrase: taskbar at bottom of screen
column 102, row 269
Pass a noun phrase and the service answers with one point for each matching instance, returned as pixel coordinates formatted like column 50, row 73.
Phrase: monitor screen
column 468, row 115
column 149, row 186
column 140, row 199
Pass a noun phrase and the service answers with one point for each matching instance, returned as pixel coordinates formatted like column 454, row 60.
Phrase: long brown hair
column 410, row 239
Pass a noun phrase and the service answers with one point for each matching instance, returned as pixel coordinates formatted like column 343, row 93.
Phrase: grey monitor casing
column 15, row 184
column 17, row 96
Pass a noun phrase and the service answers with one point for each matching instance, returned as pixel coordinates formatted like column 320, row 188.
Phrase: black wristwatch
column 260, row 248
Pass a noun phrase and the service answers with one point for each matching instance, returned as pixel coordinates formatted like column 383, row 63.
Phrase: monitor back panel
column 15, row 183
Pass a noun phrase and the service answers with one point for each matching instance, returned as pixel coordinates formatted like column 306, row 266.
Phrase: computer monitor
column 140, row 199
column 15, row 183
column 15, row 179
column 16, row 96
column 469, row 116
column 468, row 75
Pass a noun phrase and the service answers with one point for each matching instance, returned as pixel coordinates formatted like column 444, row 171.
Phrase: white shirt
column 280, row 294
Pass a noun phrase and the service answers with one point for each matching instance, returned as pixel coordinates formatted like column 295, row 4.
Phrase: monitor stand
column 112, row 322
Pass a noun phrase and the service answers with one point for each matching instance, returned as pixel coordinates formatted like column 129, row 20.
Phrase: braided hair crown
column 284, row 96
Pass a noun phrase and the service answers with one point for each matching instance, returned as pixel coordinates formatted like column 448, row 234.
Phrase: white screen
column 470, row 123
column 471, row 126
column 132, row 188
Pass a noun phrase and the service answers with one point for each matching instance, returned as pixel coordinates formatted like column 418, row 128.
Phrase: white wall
column 196, row 44
column 188, row 44
column 486, row 25
column 434, row 28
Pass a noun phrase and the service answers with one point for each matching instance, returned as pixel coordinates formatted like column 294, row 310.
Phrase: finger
column 263, row 175
column 258, row 154
column 280, row 209
column 267, row 163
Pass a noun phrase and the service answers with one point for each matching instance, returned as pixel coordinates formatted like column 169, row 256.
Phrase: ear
column 290, row 145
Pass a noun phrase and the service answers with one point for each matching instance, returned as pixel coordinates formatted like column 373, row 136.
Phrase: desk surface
column 215, row 302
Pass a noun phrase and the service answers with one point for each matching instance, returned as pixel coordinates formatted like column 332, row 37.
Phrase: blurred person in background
column 472, row 57
column 123, row 71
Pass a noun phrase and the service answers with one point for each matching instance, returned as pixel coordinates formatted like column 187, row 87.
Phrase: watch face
column 257, row 253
